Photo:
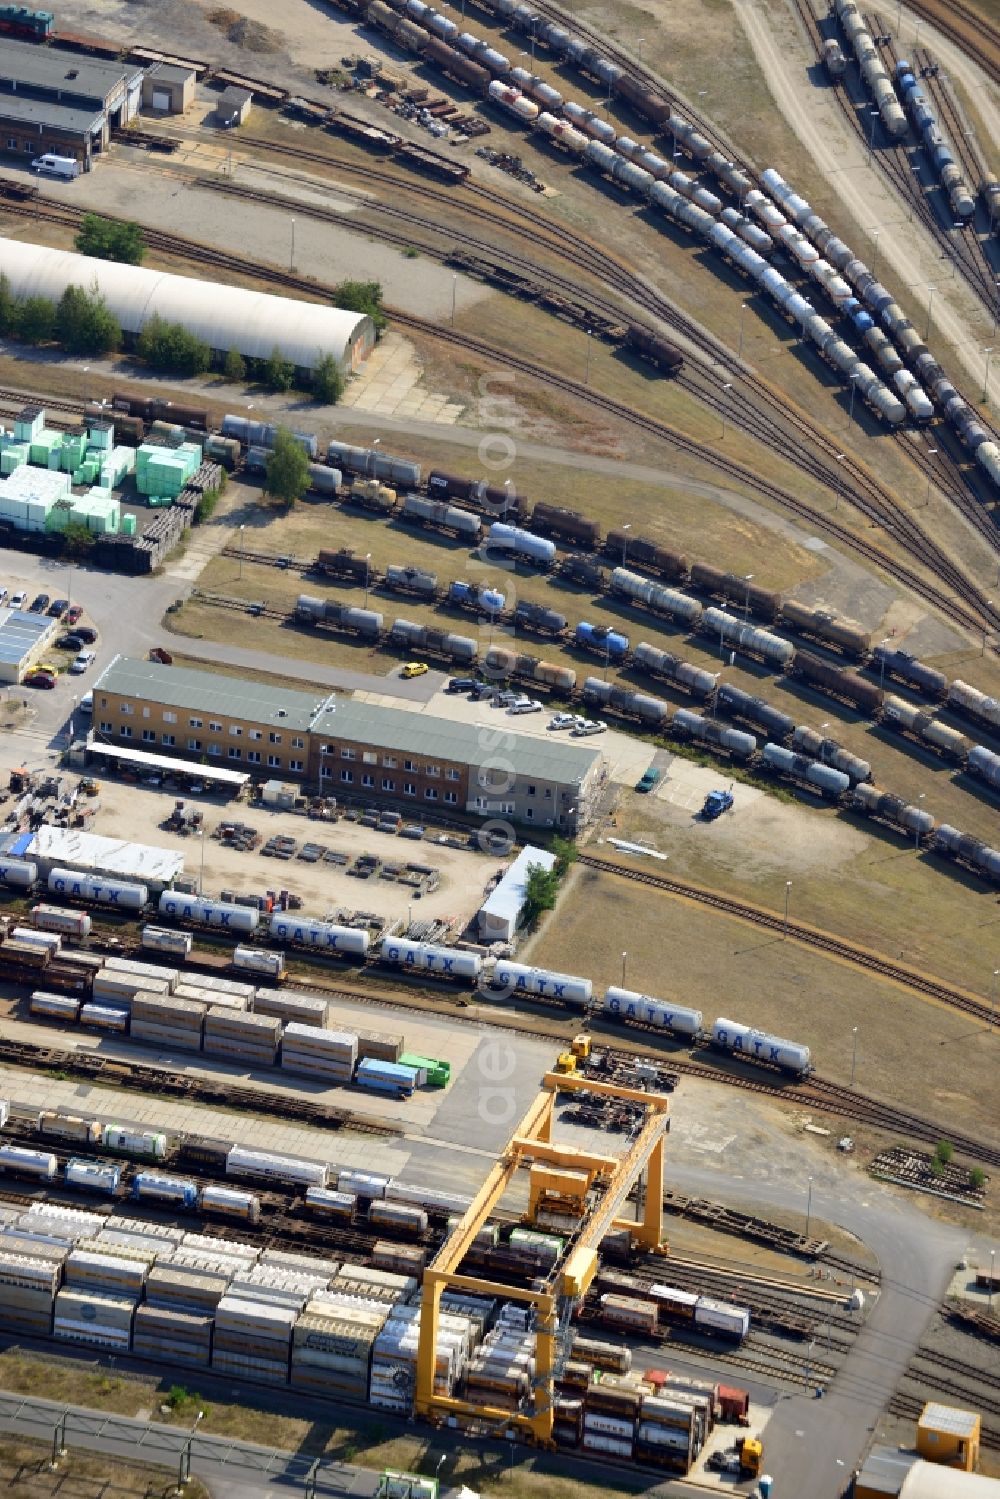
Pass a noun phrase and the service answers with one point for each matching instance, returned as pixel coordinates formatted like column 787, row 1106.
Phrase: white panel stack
column 313, row 1051
column 228, row 993
column 172, row 1336
column 159, row 972
column 119, row 989
column 289, row 1007
column 240, row 1037
column 122, row 1274
column 95, row 1317
column 253, row 1339
column 28, row 1285
column 332, row 1349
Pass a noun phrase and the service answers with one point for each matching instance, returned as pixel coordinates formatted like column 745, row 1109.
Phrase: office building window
column 347, row 776
column 215, row 749
column 274, row 738
column 388, row 784
column 368, row 779
column 274, row 761
column 296, row 765
column 194, row 723
column 431, row 794
column 235, row 753
column 451, row 797
column 409, row 789
column 169, row 740
column 298, row 743
column 125, row 731
column 170, row 717
column 149, row 736
column 253, row 757
column 194, row 744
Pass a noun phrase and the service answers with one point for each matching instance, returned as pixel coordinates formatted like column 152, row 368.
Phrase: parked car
column 525, row 705
column 72, row 614
column 508, row 697
column 564, row 721
column 649, row 780
column 52, row 667
column 19, row 600
column 461, row 684
column 480, row 691
column 71, row 642
column 58, row 608
column 87, row 703
column 589, row 726
column 39, row 604
column 36, row 678
column 82, row 662
column 86, row 633
column 414, row 669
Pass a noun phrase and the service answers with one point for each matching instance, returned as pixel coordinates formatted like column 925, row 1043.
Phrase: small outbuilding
column 500, row 914
column 167, row 88
column 23, row 639
column 947, row 1434
column 233, row 106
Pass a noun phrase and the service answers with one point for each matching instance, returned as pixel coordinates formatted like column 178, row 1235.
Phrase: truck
column 744, row 1459
column 717, row 802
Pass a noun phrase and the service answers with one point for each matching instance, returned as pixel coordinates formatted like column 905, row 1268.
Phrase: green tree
column 9, row 308
column 110, row 239
column 77, row 540
column 234, row 367
column 287, row 469
column 977, row 1178
column 362, row 296
column 566, row 853
column 170, row 347
column 279, row 372
column 84, row 325
column 541, row 888
column 943, row 1151
column 328, row 381
column 36, row 320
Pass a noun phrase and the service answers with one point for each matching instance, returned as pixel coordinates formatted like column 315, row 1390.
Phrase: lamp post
column 784, row 932
column 993, row 1255
column 375, row 445
column 624, row 960
column 291, row 257
column 916, row 830
column 809, row 1203
column 840, row 479
column 625, row 529
column 854, row 1054
column 242, row 533
column 368, row 575
column 931, row 453
column 184, row 1462
column 748, row 579
column 726, row 386
column 993, row 996
column 930, row 304
column 639, row 41
column 743, row 310
column 989, row 605
column 454, row 294
column 871, row 149
column 986, row 374
column 201, row 870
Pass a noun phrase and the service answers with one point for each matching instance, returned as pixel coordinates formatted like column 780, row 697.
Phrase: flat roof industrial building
column 57, row 101
column 23, row 638
column 348, row 747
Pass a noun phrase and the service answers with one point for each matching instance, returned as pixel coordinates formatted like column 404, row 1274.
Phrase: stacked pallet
column 314, row 1051
column 253, row 1339
column 165, row 1020
column 290, row 1007
column 242, row 1037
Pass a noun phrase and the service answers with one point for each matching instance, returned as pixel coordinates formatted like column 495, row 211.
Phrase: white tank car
column 756, row 1046
column 565, row 987
column 645, row 1009
column 425, row 957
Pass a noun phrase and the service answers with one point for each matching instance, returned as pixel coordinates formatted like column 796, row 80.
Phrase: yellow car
column 49, row 666
column 414, row 669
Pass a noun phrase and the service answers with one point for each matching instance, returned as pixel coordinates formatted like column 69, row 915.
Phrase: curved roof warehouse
column 226, row 317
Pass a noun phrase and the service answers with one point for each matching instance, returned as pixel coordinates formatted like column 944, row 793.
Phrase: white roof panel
column 226, row 317
column 506, row 900
column 113, row 856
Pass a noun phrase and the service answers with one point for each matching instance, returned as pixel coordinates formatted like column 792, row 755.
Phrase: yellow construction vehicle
column 566, row 1062
column 750, row 1451
column 581, row 1046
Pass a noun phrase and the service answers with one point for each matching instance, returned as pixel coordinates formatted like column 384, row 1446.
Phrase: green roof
column 210, row 692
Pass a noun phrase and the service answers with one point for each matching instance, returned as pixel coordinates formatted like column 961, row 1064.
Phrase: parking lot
column 139, row 813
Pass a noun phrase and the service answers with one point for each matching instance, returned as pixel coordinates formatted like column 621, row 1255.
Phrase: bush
column 84, row 325
column 287, row 469
column 279, row 372
column 77, row 540
column 36, row 320
column 328, row 381
column 171, row 348
column 541, row 888
column 566, row 853
column 9, row 308
column 977, row 1178
column 107, row 239
column 234, row 367
column 205, row 507
column 944, row 1151
column 362, row 296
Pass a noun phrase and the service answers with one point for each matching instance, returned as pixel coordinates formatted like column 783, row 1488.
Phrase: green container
column 128, row 525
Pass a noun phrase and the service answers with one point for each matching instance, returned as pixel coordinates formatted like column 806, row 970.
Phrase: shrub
column 36, row 320
column 943, row 1152
column 287, row 469
column 108, row 239
column 234, row 367
column 362, row 296
column 279, row 372
column 84, row 325
column 170, row 347
column 328, row 381
column 977, row 1178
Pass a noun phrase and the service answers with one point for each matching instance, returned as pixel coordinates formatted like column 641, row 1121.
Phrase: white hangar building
column 226, row 317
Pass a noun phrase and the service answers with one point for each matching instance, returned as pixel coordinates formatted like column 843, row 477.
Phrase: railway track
column 958, row 600
column 909, row 1408
column 967, row 27
column 826, row 942
column 977, row 1376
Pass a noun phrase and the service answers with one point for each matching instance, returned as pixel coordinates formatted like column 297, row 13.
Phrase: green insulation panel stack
column 102, row 438
column 29, row 431
column 128, row 525
column 13, row 457
column 42, row 446
column 74, row 446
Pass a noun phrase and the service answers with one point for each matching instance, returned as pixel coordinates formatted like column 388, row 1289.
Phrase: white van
column 56, row 166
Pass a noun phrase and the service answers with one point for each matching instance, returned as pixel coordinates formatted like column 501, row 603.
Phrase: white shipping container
column 612, row 1446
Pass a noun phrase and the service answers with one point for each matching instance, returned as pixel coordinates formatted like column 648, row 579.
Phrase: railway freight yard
column 500, row 748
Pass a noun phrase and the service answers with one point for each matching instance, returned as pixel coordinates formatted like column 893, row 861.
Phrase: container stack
column 402, row 1259
column 133, row 968
column 614, row 1358
column 290, row 1007
column 671, row 1432
column 629, row 1312
column 172, row 1335
column 377, row 1286
column 379, row 1047
column 502, row 1368
column 30, row 1273
column 230, row 993
column 165, row 1020
column 253, row 1339
column 386, row 1077
column 185, row 1288
column 313, row 1051
column 611, row 1412
column 95, row 1317
column 113, row 988
column 90, row 1269
column 394, row 1357
column 548, row 1247
column 240, row 1037
column 332, row 1349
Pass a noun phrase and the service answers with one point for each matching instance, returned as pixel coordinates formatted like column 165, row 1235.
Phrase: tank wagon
column 622, row 545
column 846, row 635
column 741, row 1040
column 344, row 563
column 654, row 349
column 372, row 463
column 425, row 957
column 323, row 936
column 906, row 668
column 651, row 712
column 669, row 602
column 418, row 581
column 908, row 719
column 441, row 643
column 539, row 618
column 762, row 602
column 504, row 502
column 834, row 59
column 194, row 911
column 872, row 68
column 523, row 546
column 656, row 663
column 753, row 710
column 966, row 849
column 568, row 989
column 476, row 598
column 421, row 511
column 367, row 624
column 939, row 149
column 975, row 704
column 656, row 1014
column 812, row 743
column 567, row 525
column 734, row 742
column 882, row 806
column 759, row 644
column 985, row 764
column 847, row 686
column 805, row 772
column 601, row 640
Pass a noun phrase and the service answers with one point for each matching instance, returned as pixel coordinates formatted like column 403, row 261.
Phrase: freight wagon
column 752, row 1045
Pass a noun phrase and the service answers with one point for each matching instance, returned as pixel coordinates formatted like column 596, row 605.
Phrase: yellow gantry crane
column 589, row 1187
